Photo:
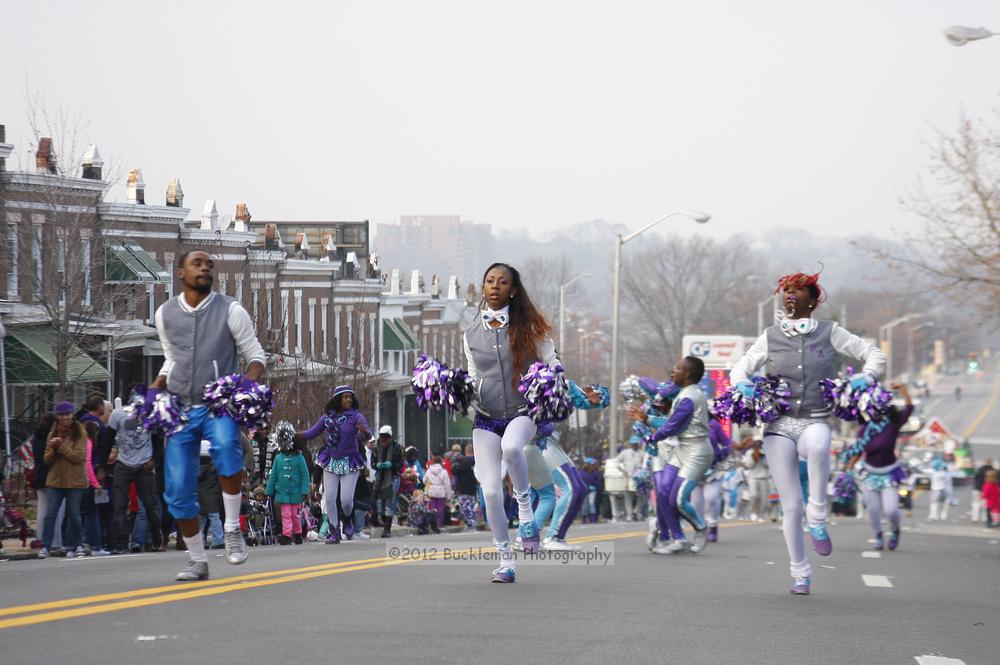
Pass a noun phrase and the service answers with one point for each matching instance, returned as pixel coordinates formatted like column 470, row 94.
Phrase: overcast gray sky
column 535, row 114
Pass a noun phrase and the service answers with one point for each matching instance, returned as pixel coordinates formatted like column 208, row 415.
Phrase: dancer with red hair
column 803, row 351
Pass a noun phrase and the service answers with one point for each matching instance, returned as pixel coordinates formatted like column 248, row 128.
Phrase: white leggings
column 884, row 501
column 490, row 450
column 344, row 485
column 783, row 460
column 707, row 500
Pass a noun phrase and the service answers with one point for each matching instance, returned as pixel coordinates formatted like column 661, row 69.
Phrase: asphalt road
column 730, row 604
column 975, row 416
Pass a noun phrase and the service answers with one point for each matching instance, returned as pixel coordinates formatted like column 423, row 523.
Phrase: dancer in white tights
column 803, row 351
column 881, row 472
column 508, row 335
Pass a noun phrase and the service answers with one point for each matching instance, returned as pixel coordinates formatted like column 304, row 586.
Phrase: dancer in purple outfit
column 881, row 472
column 341, row 458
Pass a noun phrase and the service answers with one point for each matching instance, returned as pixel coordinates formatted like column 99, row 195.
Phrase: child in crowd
column 991, row 495
column 941, row 490
column 437, row 485
column 288, row 483
column 422, row 517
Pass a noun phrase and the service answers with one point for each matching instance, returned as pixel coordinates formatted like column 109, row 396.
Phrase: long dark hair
column 44, row 426
column 527, row 325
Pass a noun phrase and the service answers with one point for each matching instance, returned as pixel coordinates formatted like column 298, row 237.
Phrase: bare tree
column 678, row 286
column 59, row 249
column 957, row 247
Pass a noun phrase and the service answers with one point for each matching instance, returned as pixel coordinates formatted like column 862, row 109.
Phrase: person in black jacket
column 463, row 468
column 38, row 440
column 388, row 467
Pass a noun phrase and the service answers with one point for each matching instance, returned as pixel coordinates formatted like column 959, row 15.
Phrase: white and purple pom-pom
column 844, row 487
column 162, row 414
column 632, row 390
column 429, row 380
column 768, row 401
column 247, row 402
column 460, row 390
column 867, row 404
column 546, row 392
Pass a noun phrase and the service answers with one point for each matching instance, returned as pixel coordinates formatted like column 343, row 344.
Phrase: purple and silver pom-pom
column 247, row 402
column 546, row 391
column 461, row 392
column 430, row 383
column 282, row 436
column 768, row 402
column 632, row 390
column 658, row 390
column 161, row 414
column 867, row 404
column 845, row 488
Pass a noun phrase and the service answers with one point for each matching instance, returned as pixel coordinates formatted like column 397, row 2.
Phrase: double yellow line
column 985, row 411
column 70, row 608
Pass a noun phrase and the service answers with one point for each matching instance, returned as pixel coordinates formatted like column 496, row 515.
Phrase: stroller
column 260, row 522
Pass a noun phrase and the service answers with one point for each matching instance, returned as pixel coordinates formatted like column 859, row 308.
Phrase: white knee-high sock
column 331, row 485
column 519, row 432
column 231, row 504
column 196, row 547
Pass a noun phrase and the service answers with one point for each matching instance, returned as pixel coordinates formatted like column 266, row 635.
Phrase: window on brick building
column 13, row 258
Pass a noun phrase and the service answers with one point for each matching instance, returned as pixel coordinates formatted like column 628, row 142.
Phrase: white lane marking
column 770, row 563
column 938, row 660
column 872, row 555
column 876, row 581
column 829, row 567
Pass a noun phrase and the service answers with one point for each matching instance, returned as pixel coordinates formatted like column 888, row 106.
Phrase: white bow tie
column 488, row 316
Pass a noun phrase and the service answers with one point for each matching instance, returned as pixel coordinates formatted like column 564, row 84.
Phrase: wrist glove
column 860, row 381
column 745, row 388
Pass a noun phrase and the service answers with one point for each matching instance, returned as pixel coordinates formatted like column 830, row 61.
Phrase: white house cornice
column 23, row 179
column 136, row 211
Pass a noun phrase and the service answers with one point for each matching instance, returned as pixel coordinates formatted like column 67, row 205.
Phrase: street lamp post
column 694, row 215
column 909, row 346
column 760, row 312
column 562, row 308
column 885, row 333
column 960, row 35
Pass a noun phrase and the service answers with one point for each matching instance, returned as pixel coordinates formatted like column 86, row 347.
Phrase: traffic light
column 973, row 361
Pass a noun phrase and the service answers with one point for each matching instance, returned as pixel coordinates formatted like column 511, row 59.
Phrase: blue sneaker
column 821, row 539
column 504, row 575
column 801, row 587
column 530, row 537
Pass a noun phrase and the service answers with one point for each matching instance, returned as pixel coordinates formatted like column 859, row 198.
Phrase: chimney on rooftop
column 210, row 216
column 242, row 218
column 175, row 195
column 45, row 158
column 92, row 163
column 135, row 187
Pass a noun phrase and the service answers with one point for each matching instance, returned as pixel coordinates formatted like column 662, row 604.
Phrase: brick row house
column 82, row 277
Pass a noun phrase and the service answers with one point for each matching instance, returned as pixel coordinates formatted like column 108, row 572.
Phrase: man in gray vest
column 204, row 335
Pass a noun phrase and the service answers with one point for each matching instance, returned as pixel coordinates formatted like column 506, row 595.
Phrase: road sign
column 716, row 351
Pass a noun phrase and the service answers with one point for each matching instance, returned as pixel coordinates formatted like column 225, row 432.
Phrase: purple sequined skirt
column 496, row 425
column 340, row 465
column 880, row 478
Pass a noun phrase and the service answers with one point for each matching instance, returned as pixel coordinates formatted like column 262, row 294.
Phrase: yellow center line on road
column 70, row 608
column 984, row 412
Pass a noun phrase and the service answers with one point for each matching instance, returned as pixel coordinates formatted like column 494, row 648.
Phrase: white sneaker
column 517, row 545
column 99, row 552
column 677, row 546
column 754, row 517
column 662, row 547
column 699, row 541
column 362, row 535
column 43, row 553
column 557, row 545
column 71, row 554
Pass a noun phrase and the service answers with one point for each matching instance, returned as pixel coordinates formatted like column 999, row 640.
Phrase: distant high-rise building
column 441, row 245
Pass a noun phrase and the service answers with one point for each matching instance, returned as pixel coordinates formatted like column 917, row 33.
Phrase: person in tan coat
column 66, row 457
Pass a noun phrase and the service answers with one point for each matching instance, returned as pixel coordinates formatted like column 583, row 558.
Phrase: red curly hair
column 801, row 280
